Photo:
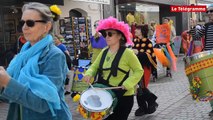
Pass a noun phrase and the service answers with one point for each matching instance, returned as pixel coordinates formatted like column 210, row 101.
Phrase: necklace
column 108, row 57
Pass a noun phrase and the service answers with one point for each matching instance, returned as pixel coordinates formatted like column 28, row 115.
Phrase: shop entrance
column 75, row 13
column 9, row 33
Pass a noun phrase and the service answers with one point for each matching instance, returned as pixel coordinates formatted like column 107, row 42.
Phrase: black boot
column 152, row 108
column 168, row 73
column 211, row 113
column 150, row 98
column 139, row 112
column 142, row 104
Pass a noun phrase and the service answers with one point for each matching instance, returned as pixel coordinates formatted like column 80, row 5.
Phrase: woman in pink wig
column 113, row 65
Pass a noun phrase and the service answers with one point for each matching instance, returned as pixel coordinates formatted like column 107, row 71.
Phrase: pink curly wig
column 112, row 23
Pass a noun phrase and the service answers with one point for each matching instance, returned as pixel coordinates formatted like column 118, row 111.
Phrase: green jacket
column 128, row 62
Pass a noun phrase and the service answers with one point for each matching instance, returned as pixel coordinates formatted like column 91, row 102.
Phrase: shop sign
column 96, row 1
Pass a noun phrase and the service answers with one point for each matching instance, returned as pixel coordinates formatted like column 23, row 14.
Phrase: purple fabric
column 62, row 47
column 190, row 49
column 100, row 43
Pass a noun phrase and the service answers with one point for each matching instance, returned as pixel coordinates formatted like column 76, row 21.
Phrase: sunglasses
column 96, row 25
column 30, row 23
column 105, row 34
column 209, row 11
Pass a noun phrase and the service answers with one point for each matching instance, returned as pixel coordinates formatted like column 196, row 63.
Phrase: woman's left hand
column 4, row 77
column 123, row 87
column 135, row 51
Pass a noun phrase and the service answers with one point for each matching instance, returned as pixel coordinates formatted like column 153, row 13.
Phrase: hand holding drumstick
column 87, row 79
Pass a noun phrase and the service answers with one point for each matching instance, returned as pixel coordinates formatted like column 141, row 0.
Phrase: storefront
column 147, row 11
column 10, row 14
column 77, row 24
column 82, row 8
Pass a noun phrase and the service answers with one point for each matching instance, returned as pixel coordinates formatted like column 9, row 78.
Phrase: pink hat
column 113, row 24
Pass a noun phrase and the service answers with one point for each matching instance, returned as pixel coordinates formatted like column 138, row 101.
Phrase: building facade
column 10, row 15
column 75, row 8
column 153, row 10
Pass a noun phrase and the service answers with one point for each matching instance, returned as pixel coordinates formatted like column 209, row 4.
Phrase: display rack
column 77, row 32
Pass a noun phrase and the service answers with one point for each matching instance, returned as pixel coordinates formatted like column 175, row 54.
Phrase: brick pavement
column 175, row 102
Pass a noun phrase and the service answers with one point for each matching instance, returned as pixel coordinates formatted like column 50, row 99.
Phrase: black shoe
column 73, row 94
column 67, row 93
column 139, row 112
column 154, row 79
column 211, row 113
column 168, row 73
column 152, row 108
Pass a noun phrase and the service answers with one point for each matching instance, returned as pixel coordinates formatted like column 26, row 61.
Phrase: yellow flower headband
column 55, row 9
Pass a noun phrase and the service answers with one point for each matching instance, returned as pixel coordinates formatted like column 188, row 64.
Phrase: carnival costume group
column 115, row 77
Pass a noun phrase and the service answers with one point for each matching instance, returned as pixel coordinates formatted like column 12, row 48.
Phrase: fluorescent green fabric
column 128, row 61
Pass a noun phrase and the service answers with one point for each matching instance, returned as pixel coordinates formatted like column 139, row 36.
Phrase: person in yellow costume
column 130, row 18
column 139, row 18
column 173, row 31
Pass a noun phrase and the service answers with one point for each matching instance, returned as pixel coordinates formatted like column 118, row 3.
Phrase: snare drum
column 78, row 84
column 96, row 103
column 198, row 68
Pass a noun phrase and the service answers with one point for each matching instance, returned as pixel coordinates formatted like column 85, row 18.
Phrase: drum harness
column 113, row 71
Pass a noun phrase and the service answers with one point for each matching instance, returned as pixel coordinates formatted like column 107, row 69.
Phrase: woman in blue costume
column 34, row 81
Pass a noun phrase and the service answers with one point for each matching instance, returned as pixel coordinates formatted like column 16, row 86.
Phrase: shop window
column 143, row 13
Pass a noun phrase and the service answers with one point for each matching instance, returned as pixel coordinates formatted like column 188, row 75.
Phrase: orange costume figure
column 186, row 38
column 191, row 46
column 164, row 46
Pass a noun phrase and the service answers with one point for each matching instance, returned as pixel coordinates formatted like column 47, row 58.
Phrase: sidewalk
column 175, row 102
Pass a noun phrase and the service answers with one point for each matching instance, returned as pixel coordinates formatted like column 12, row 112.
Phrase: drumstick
column 110, row 88
column 91, row 85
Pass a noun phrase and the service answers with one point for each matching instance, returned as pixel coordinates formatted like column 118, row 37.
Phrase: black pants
column 154, row 72
column 123, row 108
column 145, row 100
column 67, row 81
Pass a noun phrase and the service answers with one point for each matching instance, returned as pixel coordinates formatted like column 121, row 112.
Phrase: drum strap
column 115, row 62
column 114, row 68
